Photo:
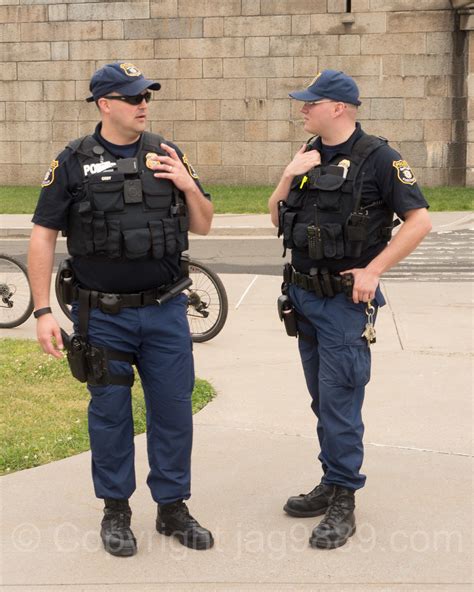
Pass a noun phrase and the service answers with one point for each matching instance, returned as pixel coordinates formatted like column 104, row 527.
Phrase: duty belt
column 113, row 303
column 319, row 281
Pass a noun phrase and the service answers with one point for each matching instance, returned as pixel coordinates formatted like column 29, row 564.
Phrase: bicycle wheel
column 16, row 301
column 207, row 303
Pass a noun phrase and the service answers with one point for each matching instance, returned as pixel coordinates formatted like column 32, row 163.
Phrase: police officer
column 334, row 206
column 125, row 199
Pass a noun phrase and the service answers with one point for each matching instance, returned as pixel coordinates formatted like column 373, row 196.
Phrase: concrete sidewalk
column 255, row 445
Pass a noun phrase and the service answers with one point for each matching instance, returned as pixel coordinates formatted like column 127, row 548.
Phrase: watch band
column 42, row 311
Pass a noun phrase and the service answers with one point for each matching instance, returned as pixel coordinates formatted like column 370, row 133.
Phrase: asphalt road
column 443, row 256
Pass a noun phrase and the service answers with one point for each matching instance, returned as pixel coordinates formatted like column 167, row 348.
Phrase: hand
column 303, row 161
column 46, row 329
column 365, row 284
column 171, row 167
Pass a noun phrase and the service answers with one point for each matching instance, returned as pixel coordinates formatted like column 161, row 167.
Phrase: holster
column 90, row 363
column 287, row 314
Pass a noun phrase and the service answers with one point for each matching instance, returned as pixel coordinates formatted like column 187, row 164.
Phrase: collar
column 346, row 147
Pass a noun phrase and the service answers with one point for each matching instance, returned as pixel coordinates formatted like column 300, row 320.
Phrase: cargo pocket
column 137, row 243
column 333, row 242
column 157, row 239
column 358, row 353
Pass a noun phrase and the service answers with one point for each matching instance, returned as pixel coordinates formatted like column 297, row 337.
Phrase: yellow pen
column 303, row 181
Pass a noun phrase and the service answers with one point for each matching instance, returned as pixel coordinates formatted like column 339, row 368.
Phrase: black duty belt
column 319, row 281
column 113, row 303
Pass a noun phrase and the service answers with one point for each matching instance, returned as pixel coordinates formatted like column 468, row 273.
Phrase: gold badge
column 49, row 177
column 345, row 164
column 151, row 159
column 130, row 70
column 190, row 167
column 404, row 172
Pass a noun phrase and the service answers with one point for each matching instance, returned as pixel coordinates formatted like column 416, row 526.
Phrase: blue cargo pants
column 160, row 340
column 336, row 363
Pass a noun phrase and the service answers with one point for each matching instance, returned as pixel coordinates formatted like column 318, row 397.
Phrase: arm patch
column 49, row 177
column 404, row 173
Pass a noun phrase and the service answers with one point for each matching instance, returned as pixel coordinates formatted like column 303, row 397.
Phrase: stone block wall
column 226, row 67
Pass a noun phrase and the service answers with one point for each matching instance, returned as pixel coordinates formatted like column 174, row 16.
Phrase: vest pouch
column 333, row 241
column 182, row 235
column 114, row 239
column 300, row 235
column 99, row 232
column 137, row 243
column 157, row 193
column 157, row 239
column 355, row 234
column 288, row 223
column 169, row 229
column 328, row 195
column 106, row 192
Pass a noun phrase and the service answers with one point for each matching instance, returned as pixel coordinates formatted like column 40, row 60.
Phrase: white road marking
column 246, row 292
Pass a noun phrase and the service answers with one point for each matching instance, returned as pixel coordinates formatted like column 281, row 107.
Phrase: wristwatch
column 42, row 311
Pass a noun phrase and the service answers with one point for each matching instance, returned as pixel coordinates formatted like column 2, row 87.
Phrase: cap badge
column 404, row 172
column 130, row 70
column 314, row 80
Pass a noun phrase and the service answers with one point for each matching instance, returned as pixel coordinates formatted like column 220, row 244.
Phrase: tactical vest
column 123, row 211
column 324, row 217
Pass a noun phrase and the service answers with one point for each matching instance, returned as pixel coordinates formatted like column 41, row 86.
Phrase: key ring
column 370, row 312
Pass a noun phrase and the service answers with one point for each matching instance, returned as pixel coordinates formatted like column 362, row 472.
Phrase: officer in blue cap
column 334, row 207
column 126, row 199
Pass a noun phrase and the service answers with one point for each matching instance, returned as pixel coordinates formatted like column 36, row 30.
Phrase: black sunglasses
column 131, row 100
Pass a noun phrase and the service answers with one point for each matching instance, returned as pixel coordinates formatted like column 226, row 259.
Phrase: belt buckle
column 110, row 303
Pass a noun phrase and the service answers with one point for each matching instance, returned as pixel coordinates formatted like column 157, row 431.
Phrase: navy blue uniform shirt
column 61, row 187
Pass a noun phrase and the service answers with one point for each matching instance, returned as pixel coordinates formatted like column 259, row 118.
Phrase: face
column 318, row 116
column 125, row 120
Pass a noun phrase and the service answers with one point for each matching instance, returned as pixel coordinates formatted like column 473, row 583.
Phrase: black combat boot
column 313, row 503
column 116, row 534
column 339, row 522
column 175, row 519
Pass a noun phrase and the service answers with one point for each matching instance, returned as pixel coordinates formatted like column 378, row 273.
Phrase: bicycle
column 207, row 301
column 16, row 303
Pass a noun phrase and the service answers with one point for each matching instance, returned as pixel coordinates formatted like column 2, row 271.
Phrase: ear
column 103, row 105
column 339, row 109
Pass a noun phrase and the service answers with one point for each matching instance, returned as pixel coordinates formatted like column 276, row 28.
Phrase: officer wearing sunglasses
column 126, row 199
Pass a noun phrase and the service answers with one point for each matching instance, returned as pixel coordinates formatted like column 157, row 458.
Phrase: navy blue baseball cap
column 122, row 78
column 329, row 84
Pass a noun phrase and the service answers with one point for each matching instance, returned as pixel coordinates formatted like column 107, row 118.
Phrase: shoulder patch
column 190, row 167
column 49, row 177
column 404, row 172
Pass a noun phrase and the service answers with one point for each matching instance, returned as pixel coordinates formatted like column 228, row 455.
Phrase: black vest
column 124, row 212
column 324, row 217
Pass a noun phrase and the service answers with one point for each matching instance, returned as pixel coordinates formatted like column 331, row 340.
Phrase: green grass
column 43, row 410
column 241, row 199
